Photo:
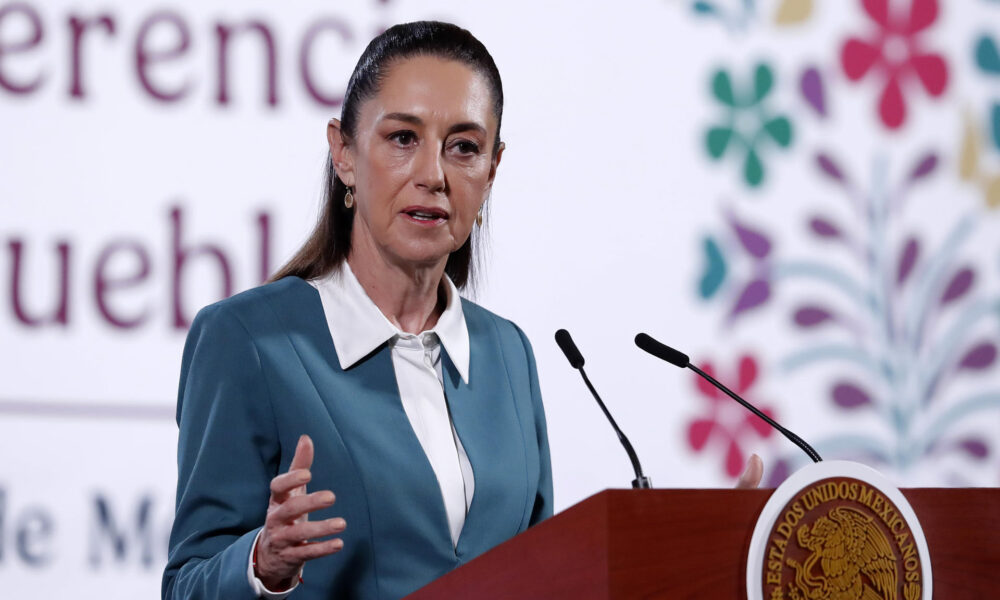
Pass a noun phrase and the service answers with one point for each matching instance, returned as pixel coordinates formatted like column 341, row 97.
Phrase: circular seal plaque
column 838, row 530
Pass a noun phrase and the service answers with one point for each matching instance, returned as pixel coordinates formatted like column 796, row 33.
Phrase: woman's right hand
column 284, row 544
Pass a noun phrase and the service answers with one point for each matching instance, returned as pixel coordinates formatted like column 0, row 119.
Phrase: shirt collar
column 358, row 327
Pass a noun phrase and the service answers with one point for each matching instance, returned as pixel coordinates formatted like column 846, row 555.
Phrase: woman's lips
column 425, row 215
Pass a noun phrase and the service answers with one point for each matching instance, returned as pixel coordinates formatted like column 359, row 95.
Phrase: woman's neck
column 410, row 296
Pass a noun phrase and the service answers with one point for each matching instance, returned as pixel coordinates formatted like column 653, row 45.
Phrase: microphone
column 679, row 359
column 576, row 361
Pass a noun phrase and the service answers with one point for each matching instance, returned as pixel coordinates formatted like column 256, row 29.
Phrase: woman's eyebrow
column 415, row 120
column 404, row 117
column 467, row 126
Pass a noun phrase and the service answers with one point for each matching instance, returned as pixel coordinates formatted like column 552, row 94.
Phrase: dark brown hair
column 330, row 242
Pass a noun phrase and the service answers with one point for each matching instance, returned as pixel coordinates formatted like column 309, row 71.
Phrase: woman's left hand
column 752, row 474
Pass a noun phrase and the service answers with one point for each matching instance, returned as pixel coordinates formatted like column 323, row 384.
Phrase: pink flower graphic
column 895, row 53
column 726, row 421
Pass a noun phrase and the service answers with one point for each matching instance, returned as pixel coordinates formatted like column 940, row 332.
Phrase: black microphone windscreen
column 662, row 351
column 569, row 349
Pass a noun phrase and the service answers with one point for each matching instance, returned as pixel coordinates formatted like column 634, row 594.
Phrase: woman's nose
column 429, row 168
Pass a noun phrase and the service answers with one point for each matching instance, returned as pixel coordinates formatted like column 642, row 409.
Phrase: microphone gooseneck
column 679, row 359
column 576, row 361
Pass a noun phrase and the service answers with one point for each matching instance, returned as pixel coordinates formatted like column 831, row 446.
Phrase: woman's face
column 421, row 162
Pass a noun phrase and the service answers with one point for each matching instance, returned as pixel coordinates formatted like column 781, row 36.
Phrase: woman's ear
column 340, row 153
column 496, row 162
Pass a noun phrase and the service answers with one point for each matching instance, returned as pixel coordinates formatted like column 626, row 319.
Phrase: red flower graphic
column 896, row 53
column 727, row 421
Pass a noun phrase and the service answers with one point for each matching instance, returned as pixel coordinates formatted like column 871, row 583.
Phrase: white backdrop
column 601, row 211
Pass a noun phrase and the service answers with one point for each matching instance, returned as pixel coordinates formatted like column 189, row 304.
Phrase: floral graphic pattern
column 895, row 53
column 726, row 424
column 899, row 328
column 739, row 15
column 971, row 167
column 747, row 105
column 892, row 333
column 750, row 291
column 899, row 342
column 988, row 62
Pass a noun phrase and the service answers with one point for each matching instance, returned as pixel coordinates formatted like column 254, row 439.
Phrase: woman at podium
column 355, row 428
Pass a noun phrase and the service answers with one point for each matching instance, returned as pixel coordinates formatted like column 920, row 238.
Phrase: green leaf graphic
column 715, row 270
column 753, row 169
column 722, row 88
column 717, row 140
column 780, row 130
column 762, row 82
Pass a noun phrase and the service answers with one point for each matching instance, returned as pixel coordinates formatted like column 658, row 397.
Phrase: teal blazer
column 260, row 369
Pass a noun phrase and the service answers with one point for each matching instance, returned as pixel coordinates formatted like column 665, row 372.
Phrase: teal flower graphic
column 988, row 61
column 748, row 123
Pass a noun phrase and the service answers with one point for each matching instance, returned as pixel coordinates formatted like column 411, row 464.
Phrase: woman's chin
column 424, row 254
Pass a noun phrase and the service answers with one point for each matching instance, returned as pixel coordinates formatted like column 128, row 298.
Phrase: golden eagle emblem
column 850, row 559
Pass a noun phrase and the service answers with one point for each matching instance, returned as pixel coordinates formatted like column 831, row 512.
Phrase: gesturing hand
column 283, row 546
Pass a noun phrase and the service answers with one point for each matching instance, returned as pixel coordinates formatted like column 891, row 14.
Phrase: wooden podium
column 694, row 543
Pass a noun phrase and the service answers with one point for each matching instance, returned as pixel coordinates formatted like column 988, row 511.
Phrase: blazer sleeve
column 543, row 499
column 227, row 453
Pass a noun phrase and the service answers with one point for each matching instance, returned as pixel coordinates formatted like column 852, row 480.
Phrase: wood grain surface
column 694, row 544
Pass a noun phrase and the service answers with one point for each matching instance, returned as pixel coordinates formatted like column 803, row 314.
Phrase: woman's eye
column 403, row 138
column 466, row 147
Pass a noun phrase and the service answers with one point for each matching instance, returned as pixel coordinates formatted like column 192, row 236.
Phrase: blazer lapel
column 486, row 419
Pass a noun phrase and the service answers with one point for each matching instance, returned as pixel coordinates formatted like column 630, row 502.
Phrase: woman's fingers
column 752, row 474
column 284, row 544
column 303, row 458
column 313, row 530
column 283, row 484
column 298, row 474
column 298, row 506
column 304, row 533
column 314, row 550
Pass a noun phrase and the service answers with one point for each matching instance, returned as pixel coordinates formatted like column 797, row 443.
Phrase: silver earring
column 349, row 198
